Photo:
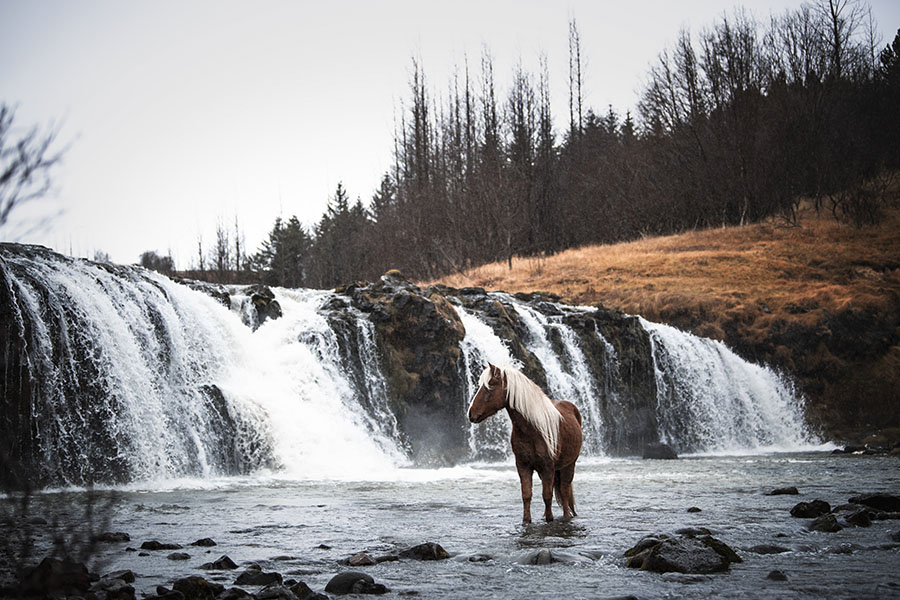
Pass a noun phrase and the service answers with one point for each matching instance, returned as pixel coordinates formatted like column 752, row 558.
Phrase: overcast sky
column 180, row 113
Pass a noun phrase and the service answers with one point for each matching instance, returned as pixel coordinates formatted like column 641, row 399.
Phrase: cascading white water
column 125, row 360
column 490, row 439
column 568, row 376
column 709, row 399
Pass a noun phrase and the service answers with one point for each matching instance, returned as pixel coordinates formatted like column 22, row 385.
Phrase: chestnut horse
column 546, row 435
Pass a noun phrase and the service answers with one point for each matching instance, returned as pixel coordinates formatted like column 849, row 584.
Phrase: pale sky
column 180, row 113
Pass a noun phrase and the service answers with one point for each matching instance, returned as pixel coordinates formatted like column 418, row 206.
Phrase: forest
column 741, row 121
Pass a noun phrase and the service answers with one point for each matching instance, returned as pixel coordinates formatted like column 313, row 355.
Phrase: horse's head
column 491, row 395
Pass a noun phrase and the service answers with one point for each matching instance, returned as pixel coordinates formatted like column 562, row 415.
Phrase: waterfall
column 132, row 376
column 490, row 439
column 709, row 399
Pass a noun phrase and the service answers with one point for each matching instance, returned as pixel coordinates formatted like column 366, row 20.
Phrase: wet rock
column 303, row 592
column 896, row 536
column 354, row 582
column 125, row 575
column 112, row 589
column 768, row 549
column 682, row 554
column 785, row 491
column 179, row 556
column 658, row 450
column 426, row 551
column 693, row 531
column 810, row 510
column 156, row 545
column 234, row 593
column 55, row 577
column 112, row 537
column 694, row 509
column 205, row 542
column 776, row 575
column 197, row 588
column 37, row 521
column 883, row 502
column 826, row 523
column 539, row 556
column 684, row 578
column 387, row 558
column 223, row 563
column 361, row 559
column 256, row 576
column 264, row 304
column 275, row 592
column 859, row 518
column 167, row 595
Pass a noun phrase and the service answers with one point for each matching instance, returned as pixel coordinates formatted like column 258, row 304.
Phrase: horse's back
column 567, row 408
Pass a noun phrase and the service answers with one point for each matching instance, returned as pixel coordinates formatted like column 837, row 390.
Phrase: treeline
column 736, row 123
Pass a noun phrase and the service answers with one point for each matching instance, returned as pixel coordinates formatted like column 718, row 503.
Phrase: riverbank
column 818, row 300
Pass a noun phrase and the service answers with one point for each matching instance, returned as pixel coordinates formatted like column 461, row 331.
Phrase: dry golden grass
column 744, row 273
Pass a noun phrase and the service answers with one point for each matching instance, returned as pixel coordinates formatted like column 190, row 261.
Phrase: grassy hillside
column 820, row 301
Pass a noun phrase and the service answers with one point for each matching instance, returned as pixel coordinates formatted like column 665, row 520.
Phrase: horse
column 546, row 435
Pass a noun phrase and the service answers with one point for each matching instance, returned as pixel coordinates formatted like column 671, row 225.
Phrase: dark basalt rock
column 785, row 491
column 55, row 577
column 197, row 588
column 256, row 576
column 303, row 592
column 354, row 582
column 125, row 575
column 659, row 450
column 265, row 306
column 179, row 556
column 222, row 563
column 810, row 510
column 157, row 545
column 361, row 559
column 234, row 593
column 205, row 542
column 776, row 575
column 883, row 502
column 275, row 592
column 112, row 589
column 694, row 509
column 426, row 551
column 827, row 523
column 768, row 549
column 682, row 554
column 112, row 537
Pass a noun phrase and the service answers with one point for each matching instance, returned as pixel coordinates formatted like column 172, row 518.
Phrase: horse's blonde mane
column 527, row 399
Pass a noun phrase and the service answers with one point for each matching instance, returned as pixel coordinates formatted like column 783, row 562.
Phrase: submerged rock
column 354, row 582
column 197, row 588
column 826, row 523
column 810, row 510
column 156, row 545
column 112, row 589
column 768, row 549
column 776, row 575
column 426, row 551
column 112, row 537
column 222, row 563
column 205, row 542
column 179, row 556
column 883, row 502
column 784, row 491
column 682, row 554
column 256, row 576
column 125, row 575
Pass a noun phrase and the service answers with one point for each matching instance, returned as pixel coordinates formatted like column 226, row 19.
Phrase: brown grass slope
column 820, row 301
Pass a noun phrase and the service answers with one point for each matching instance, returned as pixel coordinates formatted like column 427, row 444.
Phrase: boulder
column 826, row 523
column 112, row 537
column 112, row 589
column 776, row 575
column 265, row 306
column 859, row 518
column 205, row 542
column 681, row 554
column 179, row 556
column 55, row 577
column 694, row 509
column 125, row 575
column 156, row 545
column 361, row 559
column 303, row 592
column 883, row 502
column 234, row 593
column 222, row 563
column 197, row 588
column 354, row 582
column 275, row 591
column 256, row 576
column 426, row 551
column 785, row 491
column 810, row 510
column 658, row 450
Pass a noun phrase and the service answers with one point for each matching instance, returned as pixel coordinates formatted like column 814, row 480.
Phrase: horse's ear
column 492, row 368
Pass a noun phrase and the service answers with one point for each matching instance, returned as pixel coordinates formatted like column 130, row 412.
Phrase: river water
column 303, row 529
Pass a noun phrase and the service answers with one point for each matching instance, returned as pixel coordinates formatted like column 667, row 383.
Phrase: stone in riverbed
column 55, row 577
column 234, row 593
column 883, row 502
column 275, row 591
column 694, row 509
column 810, row 510
column 125, row 575
column 859, row 518
column 682, row 554
column 826, row 523
column 197, row 588
column 426, row 551
column 768, row 549
column 157, row 545
column 361, row 559
column 776, row 575
column 303, row 592
column 179, row 556
column 222, row 563
column 205, row 542
column 112, row 537
column 785, row 491
column 657, row 450
column 354, row 582
column 256, row 576
column 112, row 589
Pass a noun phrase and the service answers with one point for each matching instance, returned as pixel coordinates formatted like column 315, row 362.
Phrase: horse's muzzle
column 476, row 418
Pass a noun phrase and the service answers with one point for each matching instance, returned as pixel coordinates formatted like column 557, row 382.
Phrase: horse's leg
column 547, row 492
column 525, row 478
column 566, row 475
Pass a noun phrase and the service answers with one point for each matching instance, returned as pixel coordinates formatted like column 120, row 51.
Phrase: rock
column 112, row 537
column 37, row 521
column 275, row 591
column 826, row 523
column 112, row 589
column 197, row 588
column 56, row 577
column 303, row 592
column 387, row 558
column 693, row 509
column 540, row 556
column 658, row 450
column 896, row 536
column 884, row 502
column 776, row 575
column 859, row 518
column 265, row 306
column 168, row 595
column 810, row 510
column 785, row 491
column 683, row 554
column 155, row 545
column 768, row 549
column 205, row 542
column 354, row 582
column 361, row 559
column 222, row 563
column 426, row 551
column 693, row 531
column 179, row 556
column 234, row 593
column 258, row 577
column 125, row 575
